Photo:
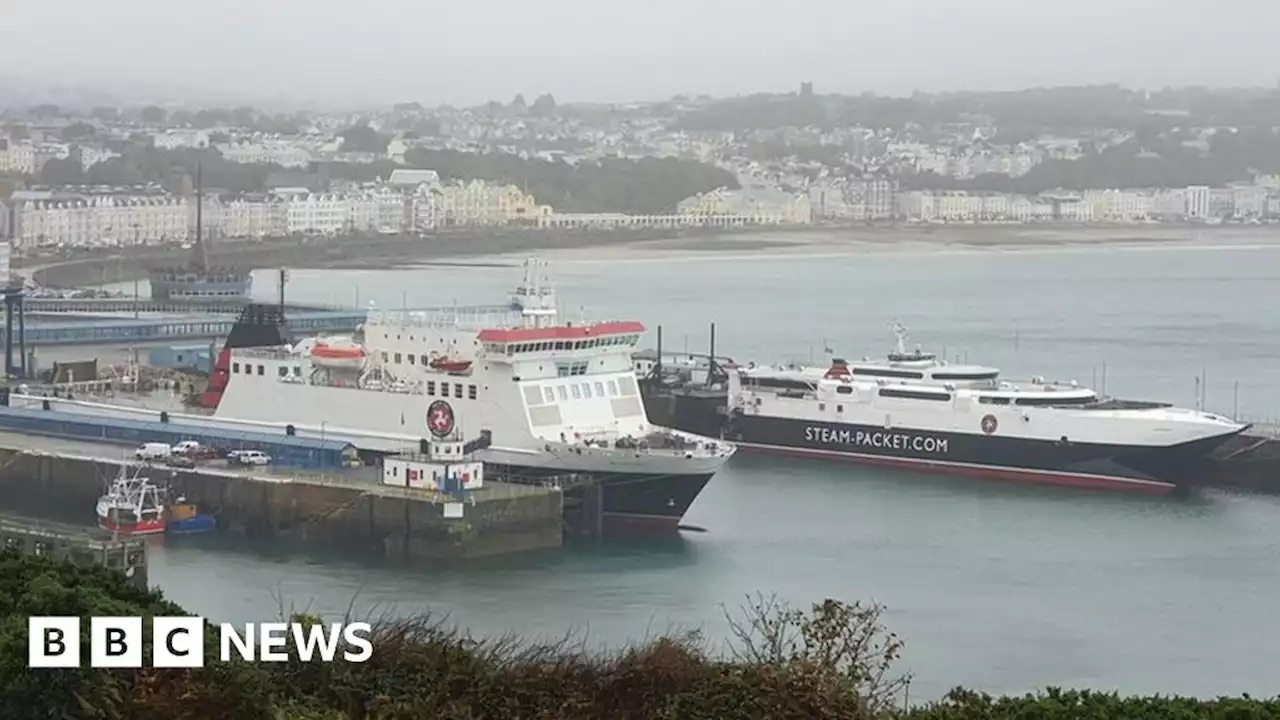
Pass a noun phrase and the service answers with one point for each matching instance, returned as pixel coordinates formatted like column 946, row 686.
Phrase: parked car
column 249, row 457
column 194, row 450
column 153, row 451
column 180, row 461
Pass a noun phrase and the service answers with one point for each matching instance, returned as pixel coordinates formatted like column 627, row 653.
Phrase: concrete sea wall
column 399, row 522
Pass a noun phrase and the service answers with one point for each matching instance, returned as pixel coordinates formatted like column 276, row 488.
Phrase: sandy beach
column 907, row 238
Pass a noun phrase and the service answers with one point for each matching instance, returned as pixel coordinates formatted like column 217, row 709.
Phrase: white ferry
column 554, row 397
column 915, row 411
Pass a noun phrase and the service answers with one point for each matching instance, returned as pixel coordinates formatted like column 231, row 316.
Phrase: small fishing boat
column 132, row 505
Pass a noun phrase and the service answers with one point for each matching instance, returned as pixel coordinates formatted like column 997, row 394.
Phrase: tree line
column 1022, row 113
column 646, row 186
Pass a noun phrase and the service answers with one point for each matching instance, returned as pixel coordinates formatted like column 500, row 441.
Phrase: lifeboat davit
column 346, row 357
column 444, row 364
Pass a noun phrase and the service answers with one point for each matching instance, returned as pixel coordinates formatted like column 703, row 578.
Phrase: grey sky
column 466, row 52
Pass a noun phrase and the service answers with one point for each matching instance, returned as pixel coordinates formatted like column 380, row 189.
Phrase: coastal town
column 120, row 177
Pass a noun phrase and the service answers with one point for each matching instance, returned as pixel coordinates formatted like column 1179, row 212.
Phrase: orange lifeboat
column 444, row 364
column 349, row 357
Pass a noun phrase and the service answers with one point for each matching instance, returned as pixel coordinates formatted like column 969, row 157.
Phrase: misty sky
column 466, row 52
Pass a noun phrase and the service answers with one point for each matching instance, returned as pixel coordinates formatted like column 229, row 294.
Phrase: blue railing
column 94, row 332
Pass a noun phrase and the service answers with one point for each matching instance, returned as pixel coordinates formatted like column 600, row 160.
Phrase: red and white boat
column 133, row 505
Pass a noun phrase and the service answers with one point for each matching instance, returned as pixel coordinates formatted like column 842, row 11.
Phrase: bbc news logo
column 178, row 642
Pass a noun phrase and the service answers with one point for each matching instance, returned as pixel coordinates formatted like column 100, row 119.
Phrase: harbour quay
column 316, row 507
column 77, row 545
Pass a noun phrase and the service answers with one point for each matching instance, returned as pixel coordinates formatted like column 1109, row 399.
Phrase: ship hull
column 640, row 491
column 1080, row 465
column 128, row 526
column 629, row 502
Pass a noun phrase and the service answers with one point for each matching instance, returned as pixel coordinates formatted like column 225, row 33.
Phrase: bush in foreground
column 834, row 661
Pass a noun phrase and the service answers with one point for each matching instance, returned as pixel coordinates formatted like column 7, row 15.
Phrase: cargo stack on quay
column 317, row 502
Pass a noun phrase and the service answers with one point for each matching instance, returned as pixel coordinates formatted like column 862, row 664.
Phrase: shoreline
column 499, row 247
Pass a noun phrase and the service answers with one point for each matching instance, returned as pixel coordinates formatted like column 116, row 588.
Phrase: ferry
column 553, row 398
column 915, row 411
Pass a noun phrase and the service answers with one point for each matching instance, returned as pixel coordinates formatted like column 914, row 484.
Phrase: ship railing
column 467, row 317
column 268, row 353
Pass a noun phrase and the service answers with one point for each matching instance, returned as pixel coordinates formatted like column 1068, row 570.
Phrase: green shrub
column 832, row 661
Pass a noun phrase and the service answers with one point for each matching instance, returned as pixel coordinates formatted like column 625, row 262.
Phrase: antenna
column 901, row 332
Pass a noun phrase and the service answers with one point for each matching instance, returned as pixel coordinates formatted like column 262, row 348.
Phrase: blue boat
column 185, row 520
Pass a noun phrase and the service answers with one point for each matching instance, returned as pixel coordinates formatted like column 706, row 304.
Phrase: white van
column 153, row 451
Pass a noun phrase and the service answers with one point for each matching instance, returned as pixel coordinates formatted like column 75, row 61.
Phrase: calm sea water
column 999, row 587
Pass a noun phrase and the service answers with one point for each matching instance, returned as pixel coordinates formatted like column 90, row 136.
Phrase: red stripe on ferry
column 560, row 333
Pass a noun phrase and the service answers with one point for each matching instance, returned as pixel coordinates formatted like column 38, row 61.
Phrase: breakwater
column 315, row 509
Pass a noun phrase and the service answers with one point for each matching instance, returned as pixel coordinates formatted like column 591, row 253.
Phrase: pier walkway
column 207, row 327
column 106, row 306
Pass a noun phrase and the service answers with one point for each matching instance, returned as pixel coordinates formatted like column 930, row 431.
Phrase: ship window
column 564, row 394
column 471, row 392
column 411, row 358
column 384, row 356
column 297, row 371
column 562, row 371
column 262, row 370
column 886, row 373
column 431, row 387
column 777, row 383
column 424, row 359
column 1054, row 401
column 235, row 368
column 613, row 389
column 839, row 408
column 992, row 400
column 457, row 390
column 511, row 349
column 560, row 346
column 844, row 389
column 577, row 392
column 398, row 358
column 914, row 395
column 599, row 389
column 283, row 371
column 822, row 406
column 549, row 393
column 586, row 390
column 965, row 376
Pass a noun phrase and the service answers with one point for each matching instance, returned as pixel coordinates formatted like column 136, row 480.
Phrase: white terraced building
column 107, row 220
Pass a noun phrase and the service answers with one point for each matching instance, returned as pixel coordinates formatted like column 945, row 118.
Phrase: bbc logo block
column 53, row 642
column 178, row 642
